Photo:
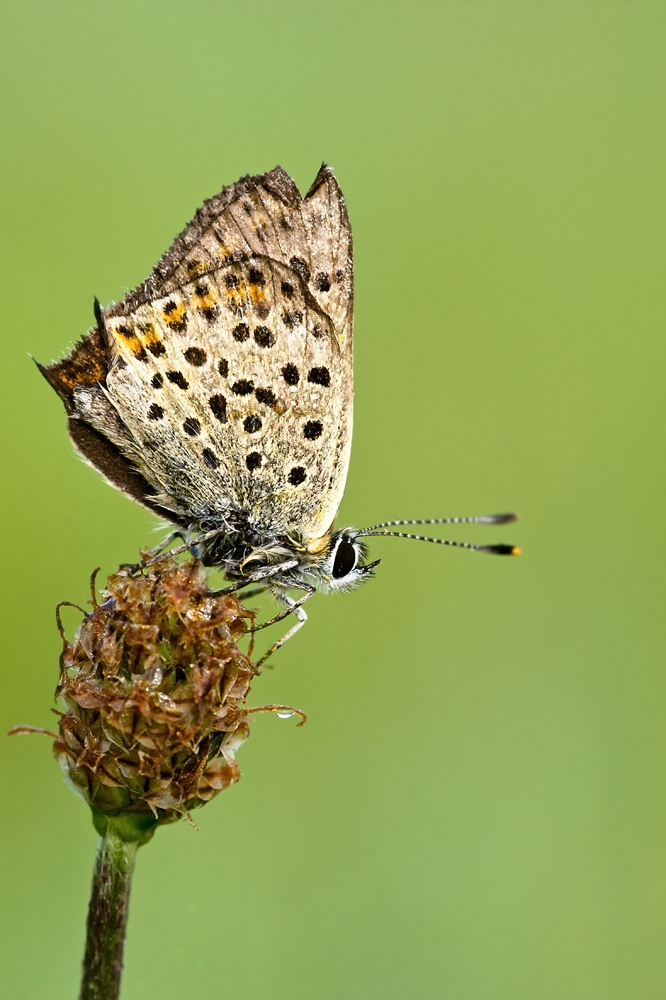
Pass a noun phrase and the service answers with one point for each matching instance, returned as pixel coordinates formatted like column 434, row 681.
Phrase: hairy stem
column 107, row 916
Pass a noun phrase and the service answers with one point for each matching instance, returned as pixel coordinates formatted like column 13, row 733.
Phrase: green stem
column 107, row 916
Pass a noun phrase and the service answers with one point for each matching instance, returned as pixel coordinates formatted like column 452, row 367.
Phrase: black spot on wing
column 241, row 332
column 297, row 476
column 211, row 459
column 264, row 337
column 252, row 424
column 266, row 396
column 218, row 405
column 195, row 356
column 290, row 374
column 292, row 319
column 242, row 387
column 319, row 376
column 192, row 426
column 177, row 378
column 299, row 265
column 312, row 430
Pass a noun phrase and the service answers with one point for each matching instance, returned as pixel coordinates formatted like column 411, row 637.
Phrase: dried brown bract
column 155, row 687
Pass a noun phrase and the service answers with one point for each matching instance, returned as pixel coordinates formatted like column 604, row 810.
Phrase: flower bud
column 155, row 688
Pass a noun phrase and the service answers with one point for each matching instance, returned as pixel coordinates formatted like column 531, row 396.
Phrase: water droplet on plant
column 285, row 714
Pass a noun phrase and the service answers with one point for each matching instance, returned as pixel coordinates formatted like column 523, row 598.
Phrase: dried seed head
column 155, row 689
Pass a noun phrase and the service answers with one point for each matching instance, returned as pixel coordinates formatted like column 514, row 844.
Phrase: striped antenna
column 480, row 519
column 497, row 550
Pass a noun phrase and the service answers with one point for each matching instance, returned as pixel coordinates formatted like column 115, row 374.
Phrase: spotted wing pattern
column 229, row 384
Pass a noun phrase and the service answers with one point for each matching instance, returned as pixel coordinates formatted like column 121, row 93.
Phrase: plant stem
column 107, row 916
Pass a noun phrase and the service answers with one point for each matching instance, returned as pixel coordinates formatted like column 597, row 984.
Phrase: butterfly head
column 341, row 566
column 334, row 562
column 337, row 561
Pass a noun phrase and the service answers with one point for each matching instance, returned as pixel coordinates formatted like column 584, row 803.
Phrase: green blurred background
column 476, row 807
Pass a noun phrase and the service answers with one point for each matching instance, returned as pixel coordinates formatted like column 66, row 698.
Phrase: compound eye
column 345, row 559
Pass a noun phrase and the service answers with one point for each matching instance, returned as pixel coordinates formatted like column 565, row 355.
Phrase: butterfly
column 219, row 392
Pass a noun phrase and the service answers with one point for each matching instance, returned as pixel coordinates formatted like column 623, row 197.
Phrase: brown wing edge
column 323, row 174
column 99, row 452
column 87, row 365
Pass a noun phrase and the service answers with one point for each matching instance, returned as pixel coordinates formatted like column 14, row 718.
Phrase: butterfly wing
column 229, row 383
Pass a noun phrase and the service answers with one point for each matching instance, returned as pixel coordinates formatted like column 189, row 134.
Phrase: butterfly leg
column 261, row 574
column 299, row 611
column 252, row 592
column 293, row 605
column 153, row 555
column 185, row 547
column 166, row 542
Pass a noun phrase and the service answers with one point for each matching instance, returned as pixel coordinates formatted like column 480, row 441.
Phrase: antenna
column 497, row 550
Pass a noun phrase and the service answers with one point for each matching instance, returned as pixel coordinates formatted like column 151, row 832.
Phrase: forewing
column 232, row 364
